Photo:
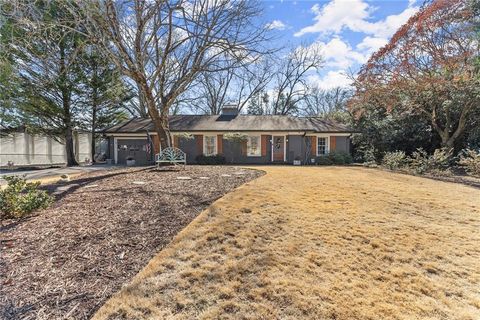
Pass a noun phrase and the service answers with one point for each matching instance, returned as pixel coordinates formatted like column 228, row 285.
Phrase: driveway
column 319, row 243
column 50, row 173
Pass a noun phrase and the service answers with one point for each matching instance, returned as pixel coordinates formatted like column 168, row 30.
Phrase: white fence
column 23, row 149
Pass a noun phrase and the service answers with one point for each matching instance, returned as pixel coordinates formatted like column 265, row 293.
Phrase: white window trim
column 327, row 145
column 205, row 145
column 260, row 146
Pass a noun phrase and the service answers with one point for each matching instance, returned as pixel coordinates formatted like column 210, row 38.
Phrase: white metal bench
column 171, row 155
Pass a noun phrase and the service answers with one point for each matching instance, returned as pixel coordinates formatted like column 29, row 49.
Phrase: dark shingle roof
column 234, row 123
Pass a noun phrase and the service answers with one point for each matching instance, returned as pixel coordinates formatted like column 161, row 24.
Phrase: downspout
column 307, row 146
column 152, row 151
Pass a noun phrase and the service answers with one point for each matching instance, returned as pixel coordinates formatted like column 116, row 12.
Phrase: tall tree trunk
column 67, row 117
column 94, row 109
column 142, row 109
column 93, row 129
column 449, row 139
column 69, row 145
column 160, row 120
column 163, row 131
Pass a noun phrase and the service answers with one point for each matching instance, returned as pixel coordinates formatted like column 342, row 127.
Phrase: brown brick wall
column 175, row 141
column 264, row 140
column 333, row 143
column 313, row 146
column 199, row 142
column 220, row 144
column 156, row 143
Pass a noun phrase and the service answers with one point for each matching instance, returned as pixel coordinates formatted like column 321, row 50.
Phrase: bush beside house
column 335, row 158
column 210, row 160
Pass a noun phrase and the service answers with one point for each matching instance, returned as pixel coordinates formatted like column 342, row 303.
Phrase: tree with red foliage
column 428, row 69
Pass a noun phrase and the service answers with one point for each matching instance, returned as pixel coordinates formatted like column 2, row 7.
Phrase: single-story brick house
column 269, row 138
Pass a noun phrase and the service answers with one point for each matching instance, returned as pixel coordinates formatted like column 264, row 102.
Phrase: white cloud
column 276, row 25
column 331, row 80
column 388, row 26
column 335, row 15
column 338, row 53
column 371, row 44
column 354, row 15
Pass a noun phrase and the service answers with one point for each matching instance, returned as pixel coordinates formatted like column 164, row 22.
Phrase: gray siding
column 343, row 144
column 189, row 146
column 295, row 148
column 110, row 153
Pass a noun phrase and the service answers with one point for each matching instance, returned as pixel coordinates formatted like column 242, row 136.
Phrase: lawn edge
column 474, row 185
column 170, row 247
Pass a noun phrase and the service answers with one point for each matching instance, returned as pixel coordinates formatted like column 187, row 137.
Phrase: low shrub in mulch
column 20, row 197
column 104, row 226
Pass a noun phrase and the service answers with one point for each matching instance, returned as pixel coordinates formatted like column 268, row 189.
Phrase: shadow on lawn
column 62, row 189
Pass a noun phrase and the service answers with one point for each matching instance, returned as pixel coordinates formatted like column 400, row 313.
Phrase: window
column 254, row 146
column 210, row 145
column 322, row 147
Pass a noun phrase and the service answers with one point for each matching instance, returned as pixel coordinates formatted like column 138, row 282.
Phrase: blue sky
column 348, row 31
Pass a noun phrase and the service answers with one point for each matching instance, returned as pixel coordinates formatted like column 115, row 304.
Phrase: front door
column 278, row 149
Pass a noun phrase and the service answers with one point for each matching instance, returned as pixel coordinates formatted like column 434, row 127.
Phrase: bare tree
column 233, row 85
column 290, row 78
column 325, row 103
column 163, row 46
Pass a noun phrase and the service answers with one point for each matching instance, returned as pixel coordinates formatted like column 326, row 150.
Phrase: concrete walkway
column 51, row 174
column 319, row 243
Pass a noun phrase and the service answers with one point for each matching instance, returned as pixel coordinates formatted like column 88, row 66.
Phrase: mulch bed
column 104, row 226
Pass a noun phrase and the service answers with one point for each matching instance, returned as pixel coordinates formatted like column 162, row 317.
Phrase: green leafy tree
column 7, row 74
column 43, row 41
column 104, row 94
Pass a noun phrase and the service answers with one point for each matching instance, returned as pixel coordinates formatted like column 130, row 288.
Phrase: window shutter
column 220, row 144
column 313, row 146
column 244, row 147
column 199, row 142
column 333, row 143
column 156, row 143
column 175, row 141
column 264, row 142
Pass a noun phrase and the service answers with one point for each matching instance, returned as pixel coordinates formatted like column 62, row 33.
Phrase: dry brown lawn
column 66, row 261
column 319, row 243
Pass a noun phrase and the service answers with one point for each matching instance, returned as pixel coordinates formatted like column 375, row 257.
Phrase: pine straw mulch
column 65, row 261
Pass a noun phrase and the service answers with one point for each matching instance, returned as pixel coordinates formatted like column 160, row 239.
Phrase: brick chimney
column 229, row 109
